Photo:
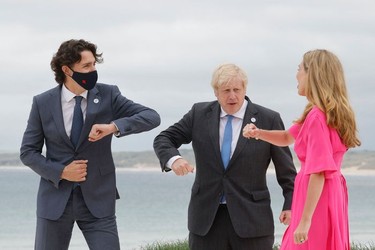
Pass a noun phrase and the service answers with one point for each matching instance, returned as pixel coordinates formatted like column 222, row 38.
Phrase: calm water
column 153, row 207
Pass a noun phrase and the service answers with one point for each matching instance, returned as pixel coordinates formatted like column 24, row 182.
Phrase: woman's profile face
column 301, row 79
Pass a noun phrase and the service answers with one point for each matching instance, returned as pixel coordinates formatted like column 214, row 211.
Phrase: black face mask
column 85, row 80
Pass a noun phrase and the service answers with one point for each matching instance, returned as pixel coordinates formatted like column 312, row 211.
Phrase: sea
column 153, row 208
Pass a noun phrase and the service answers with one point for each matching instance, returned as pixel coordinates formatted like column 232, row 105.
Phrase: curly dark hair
column 70, row 53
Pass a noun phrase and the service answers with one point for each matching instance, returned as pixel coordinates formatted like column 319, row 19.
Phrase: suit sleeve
column 31, row 149
column 131, row 117
column 284, row 166
column 166, row 144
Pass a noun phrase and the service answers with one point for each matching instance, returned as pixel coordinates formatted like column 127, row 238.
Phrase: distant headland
column 354, row 160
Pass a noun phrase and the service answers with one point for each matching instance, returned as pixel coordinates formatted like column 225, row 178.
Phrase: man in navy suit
column 75, row 122
column 230, row 202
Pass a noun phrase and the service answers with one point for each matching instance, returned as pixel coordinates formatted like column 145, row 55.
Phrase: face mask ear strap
column 68, row 73
column 70, row 69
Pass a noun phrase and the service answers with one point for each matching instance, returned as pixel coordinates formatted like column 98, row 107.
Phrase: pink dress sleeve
column 319, row 152
column 294, row 130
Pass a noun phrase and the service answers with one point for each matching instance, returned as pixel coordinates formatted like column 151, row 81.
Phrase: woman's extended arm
column 280, row 138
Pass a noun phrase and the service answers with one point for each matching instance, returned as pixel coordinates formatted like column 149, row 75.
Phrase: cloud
column 162, row 53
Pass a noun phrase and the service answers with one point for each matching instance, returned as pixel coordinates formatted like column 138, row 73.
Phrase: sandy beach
column 358, row 171
column 345, row 171
column 147, row 168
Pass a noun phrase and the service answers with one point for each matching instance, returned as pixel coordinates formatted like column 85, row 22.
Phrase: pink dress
column 319, row 149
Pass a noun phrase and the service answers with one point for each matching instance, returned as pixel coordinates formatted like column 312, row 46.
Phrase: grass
column 183, row 245
column 360, row 246
column 174, row 245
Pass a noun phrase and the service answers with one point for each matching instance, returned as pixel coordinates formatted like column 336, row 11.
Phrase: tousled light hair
column 224, row 73
column 326, row 89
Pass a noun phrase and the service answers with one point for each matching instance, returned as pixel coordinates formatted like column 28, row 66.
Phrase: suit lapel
column 251, row 116
column 213, row 119
column 56, row 112
column 93, row 103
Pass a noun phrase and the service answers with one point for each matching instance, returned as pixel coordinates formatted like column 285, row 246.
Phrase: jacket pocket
column 260, row 195
column 104, row 170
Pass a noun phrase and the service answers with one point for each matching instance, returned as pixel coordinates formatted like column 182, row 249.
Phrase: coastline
column 147, row 168
column 357, row 171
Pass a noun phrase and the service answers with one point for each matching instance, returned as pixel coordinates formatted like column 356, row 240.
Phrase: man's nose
column 232, row 94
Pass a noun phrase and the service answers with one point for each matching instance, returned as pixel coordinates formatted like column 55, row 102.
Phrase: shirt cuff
column 117, row 133
column 172, row 160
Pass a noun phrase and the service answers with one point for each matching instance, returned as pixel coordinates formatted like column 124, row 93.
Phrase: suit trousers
column 100, row 233
column 223, row 237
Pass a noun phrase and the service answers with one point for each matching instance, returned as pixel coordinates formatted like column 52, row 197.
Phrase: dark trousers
column 223, row 237
column 100, row 233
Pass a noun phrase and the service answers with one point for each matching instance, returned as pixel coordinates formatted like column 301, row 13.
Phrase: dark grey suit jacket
column 244, row 180
column 45, row 127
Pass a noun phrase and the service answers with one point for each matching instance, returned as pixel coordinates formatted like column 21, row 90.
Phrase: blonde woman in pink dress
column 321, row 137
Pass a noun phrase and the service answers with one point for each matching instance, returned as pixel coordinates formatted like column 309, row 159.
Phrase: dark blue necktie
column 77, row 121
column 227, row 142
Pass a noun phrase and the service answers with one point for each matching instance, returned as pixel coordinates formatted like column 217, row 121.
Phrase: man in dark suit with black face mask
column 75, row 122
column 230, row 202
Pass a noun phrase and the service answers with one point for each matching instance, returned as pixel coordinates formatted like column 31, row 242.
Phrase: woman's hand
column 300, row 235
column 251, row 131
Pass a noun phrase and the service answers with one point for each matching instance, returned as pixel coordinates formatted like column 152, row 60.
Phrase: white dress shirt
column 67, row 103
column 236, row 125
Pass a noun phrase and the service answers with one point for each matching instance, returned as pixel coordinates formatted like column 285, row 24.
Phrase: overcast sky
column 162, row 53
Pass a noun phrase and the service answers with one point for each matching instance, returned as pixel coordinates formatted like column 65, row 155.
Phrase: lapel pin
column 96, row 100
column 253, row 119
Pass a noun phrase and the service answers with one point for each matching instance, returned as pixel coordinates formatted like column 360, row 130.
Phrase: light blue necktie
column 227, row 142
column 77, row 123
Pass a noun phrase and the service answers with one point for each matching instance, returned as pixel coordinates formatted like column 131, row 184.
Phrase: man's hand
column 182, row 167
column 285, row 217
column 98, row 131
column 76, row 171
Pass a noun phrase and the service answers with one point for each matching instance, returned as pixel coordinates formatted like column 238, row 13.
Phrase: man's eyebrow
column 87, row 63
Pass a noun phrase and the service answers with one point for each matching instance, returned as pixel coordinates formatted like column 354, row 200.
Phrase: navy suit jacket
column 45, row 128
column 243, row 181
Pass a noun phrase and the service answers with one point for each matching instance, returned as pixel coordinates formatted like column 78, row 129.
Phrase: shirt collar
column 68, row 95
column 239, row 114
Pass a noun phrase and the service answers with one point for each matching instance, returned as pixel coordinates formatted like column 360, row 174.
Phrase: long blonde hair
column 326, row 89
